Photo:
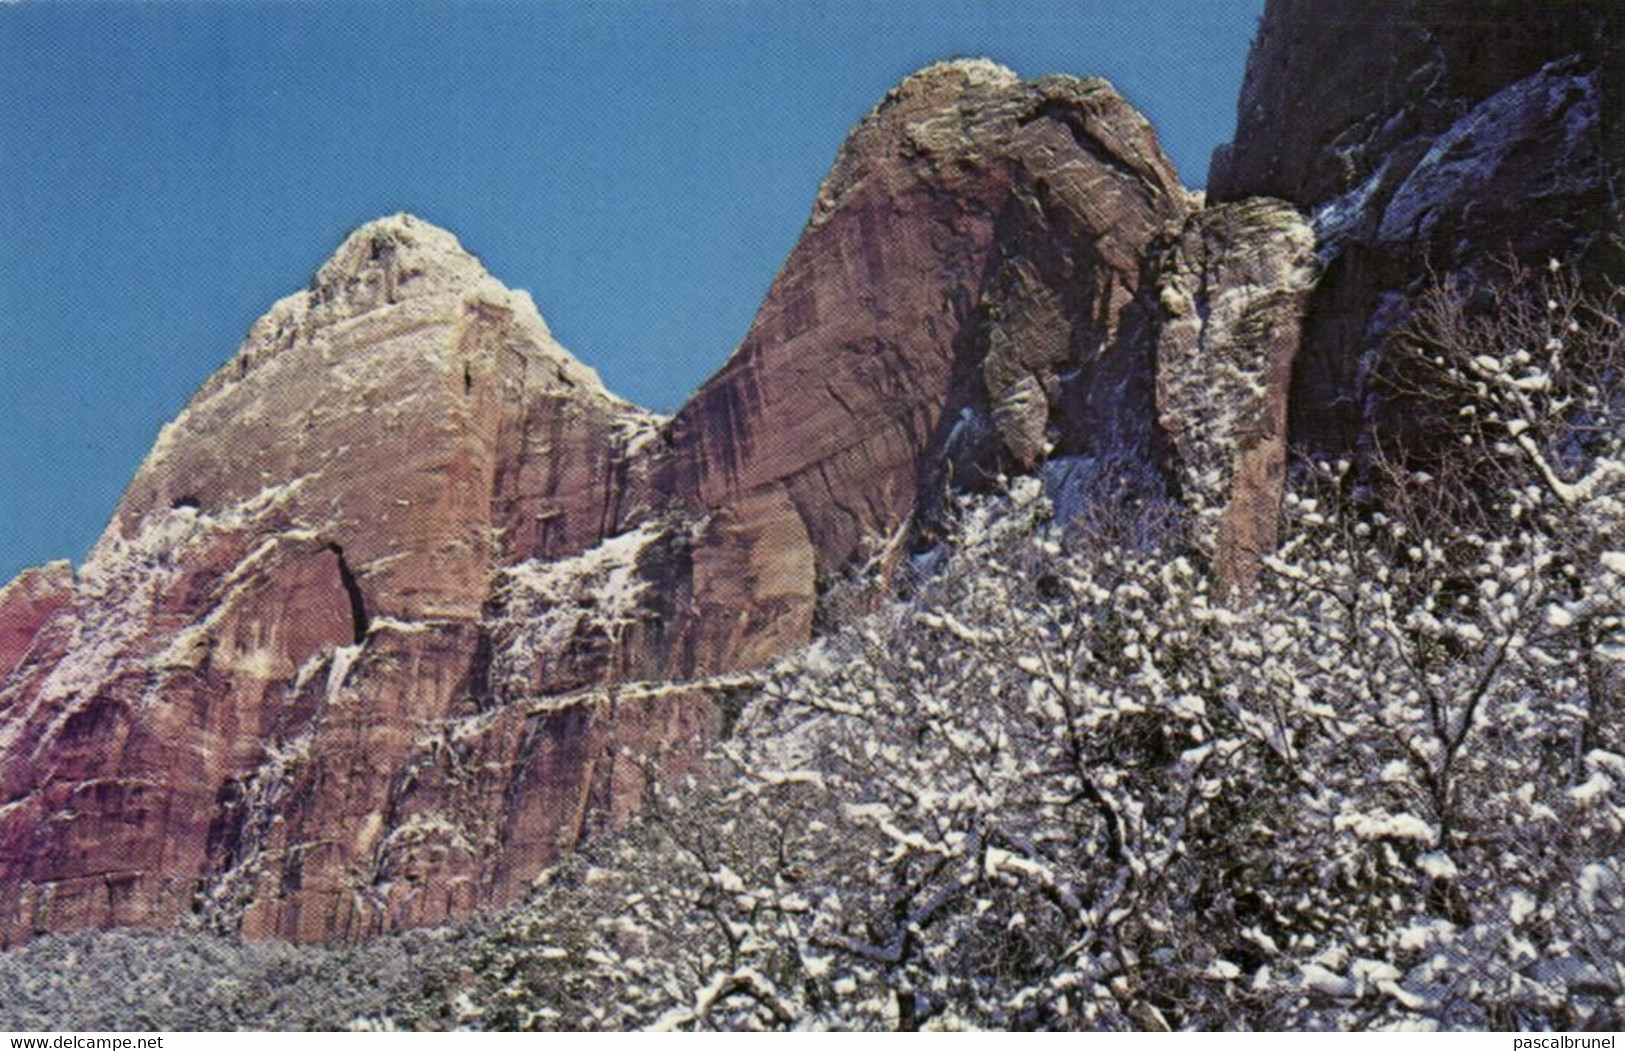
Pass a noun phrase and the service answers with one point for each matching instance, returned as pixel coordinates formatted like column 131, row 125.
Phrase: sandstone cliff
column 966, row 297
column 1233, row 288
column 287, row 613
column 405, row 603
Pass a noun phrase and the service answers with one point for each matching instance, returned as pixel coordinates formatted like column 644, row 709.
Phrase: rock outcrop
column 967, row 296
column 1424, row 138
column 1233, row 289
column 289, row 609
column 405, row 603
column 26, row 605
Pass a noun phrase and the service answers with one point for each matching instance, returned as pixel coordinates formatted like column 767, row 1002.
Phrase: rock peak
column 943, row 83
column 967, row 113
column 393, row 258
column 981, row 72
column 404, row 271
column 405, row 231
column 402, row 224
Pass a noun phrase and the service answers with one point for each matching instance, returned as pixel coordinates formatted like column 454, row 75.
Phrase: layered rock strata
column 967, row 297
column 1234, row 290
column 288, row 611
column 1424, row 138
column 405, row 603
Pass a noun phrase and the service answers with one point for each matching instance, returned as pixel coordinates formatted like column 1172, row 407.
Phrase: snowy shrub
column 144, row 981
column 1060, row 785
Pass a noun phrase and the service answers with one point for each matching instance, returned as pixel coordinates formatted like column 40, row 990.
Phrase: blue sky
column 168, row 170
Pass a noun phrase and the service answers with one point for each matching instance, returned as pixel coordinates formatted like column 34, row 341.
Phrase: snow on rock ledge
column 478, row 521
column 304, row 557
column 1233, row 290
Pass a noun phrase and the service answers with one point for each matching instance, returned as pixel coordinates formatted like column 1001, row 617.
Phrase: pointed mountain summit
column 401, row 332
column 966, row 298
column 405, row 603
column 289, row 598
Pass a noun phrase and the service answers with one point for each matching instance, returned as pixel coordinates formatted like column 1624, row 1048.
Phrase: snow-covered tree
column 1061, row 786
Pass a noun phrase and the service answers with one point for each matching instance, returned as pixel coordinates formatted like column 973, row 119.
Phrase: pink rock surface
column 405, row 603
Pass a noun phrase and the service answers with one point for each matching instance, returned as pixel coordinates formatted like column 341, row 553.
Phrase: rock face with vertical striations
column 1424, row 138
column 405, row 603
column 289, row 608
column 1233, row 290
column 966, row 297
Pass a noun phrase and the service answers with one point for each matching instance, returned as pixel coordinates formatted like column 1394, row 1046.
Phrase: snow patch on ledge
column 1336, row 218
column 548, row 611
column 982, row 72
column 607, row 570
